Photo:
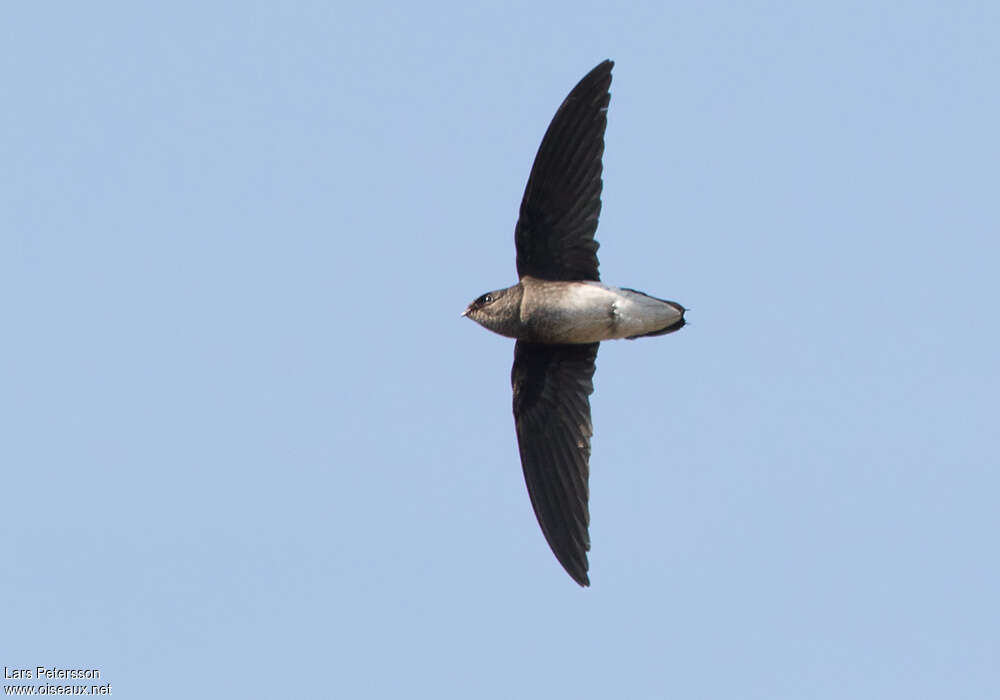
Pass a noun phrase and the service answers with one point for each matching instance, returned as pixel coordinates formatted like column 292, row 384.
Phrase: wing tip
column 606, row 65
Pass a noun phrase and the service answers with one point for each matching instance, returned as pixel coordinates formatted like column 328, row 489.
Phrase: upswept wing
column 554, row 235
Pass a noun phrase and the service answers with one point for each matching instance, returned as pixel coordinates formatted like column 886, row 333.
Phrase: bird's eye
column 485, row 299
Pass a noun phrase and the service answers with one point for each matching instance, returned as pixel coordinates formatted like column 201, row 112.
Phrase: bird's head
column 497, row 310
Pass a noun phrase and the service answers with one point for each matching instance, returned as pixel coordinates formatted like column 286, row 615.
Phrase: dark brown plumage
column 552, row 385
column 562, row 200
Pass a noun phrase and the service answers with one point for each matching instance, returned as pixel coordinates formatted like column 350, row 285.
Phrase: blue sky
column 250, row 449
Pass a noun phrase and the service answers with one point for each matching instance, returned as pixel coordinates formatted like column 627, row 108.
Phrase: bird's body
column 543, row 311
column 559, row 312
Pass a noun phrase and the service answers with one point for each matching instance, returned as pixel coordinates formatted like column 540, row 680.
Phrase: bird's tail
column 674, row 325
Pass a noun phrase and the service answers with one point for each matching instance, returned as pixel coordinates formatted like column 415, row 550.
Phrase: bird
column 559, row 312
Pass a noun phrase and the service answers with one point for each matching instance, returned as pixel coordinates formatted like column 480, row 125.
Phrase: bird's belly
column 589, row 312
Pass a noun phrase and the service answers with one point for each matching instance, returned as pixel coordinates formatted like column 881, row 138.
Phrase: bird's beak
column 466, row 312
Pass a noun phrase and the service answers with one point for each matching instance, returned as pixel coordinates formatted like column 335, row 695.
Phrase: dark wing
column 562, row 201
column 552, row 384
